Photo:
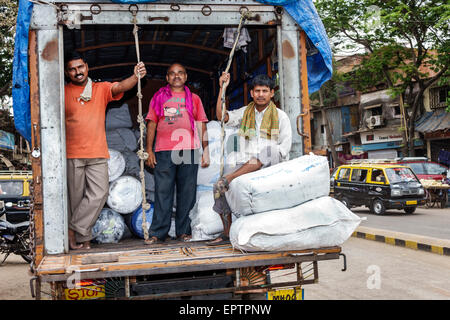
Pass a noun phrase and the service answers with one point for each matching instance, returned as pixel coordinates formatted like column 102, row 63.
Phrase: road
column 375, row 270
column 424, row 222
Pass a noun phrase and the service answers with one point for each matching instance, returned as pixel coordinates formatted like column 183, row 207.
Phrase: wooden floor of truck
column 133, row 258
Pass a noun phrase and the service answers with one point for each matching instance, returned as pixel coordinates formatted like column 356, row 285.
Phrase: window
column 344, row 173
column 433, row 168
column 359, row 175
column 377, row 176
column 438, row 97
column 11, row 188
column 396, row 175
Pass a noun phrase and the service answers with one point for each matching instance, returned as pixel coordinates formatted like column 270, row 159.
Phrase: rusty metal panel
column 289, row 70
column 52, row 130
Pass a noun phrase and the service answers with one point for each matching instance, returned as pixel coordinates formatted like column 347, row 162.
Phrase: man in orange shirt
column 86, row 147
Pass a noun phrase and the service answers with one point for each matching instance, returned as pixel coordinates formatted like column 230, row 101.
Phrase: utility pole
column 327, row 130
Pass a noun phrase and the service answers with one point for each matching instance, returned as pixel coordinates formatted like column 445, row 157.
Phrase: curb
column 406, row 240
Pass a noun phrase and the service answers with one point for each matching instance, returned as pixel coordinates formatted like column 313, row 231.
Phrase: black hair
column 172, row 64
column 73, row 55
column 262, row 80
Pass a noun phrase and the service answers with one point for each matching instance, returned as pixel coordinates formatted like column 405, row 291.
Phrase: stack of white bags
column 282, row 207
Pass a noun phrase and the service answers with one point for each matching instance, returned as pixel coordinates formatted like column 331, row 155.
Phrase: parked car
column 423, row 168
column 15, row 194
column 378, row 187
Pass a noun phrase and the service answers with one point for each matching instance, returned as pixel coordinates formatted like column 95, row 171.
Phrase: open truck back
column 189, row 32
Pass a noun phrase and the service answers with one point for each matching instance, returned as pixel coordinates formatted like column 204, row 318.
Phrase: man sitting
column 265, row 139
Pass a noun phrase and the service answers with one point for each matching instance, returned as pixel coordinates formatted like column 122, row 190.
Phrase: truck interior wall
column 110, row 54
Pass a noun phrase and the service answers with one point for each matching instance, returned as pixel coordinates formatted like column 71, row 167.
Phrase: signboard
column 380, row 136
column 6, row 140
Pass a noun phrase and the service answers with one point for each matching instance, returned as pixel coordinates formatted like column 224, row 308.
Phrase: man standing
column 172, row 118
column 265, row 139
column 86, row 147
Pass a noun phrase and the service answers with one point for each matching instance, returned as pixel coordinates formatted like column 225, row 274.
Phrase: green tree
column 8, row 15
column 406, row 44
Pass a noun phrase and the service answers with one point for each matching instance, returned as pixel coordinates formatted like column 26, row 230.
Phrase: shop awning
column 433, row 121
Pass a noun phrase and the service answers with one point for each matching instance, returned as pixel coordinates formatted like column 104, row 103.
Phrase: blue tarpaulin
column 21, row 86
column 303, row 12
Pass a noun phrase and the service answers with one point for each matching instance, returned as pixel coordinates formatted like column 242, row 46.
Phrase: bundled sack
column 133, row 168
column 121, row 139
column 209, row 175
column 109, row 228
column 118, row 118
column 116, row 164
column 280, row 186
column 205, row 222
column 323, row 222
column 125, row 194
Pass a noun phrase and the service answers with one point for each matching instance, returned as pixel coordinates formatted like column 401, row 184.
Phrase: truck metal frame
column 52, row 261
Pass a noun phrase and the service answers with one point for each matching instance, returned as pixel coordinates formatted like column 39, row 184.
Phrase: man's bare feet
column 86, row 245
column 72, row 242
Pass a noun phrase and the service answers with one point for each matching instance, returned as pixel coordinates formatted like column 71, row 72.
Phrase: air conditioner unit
column 374, row 121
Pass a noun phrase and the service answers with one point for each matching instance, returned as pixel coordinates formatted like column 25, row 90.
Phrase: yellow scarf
column 270, row 127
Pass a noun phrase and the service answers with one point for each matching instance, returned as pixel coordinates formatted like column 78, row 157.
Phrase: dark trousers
column 174, row 168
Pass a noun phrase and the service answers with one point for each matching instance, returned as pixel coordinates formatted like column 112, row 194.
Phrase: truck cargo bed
column 134, row 258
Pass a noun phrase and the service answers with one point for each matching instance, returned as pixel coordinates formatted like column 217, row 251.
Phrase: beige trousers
column 88, row 186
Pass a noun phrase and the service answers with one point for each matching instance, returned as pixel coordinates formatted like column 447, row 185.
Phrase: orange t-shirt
column 85, row 121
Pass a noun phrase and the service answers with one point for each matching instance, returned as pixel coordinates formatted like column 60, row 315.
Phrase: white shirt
column 249, row 148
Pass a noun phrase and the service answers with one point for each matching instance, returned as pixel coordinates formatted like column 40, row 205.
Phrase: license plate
column 411, row 202
column 85, row 293
column 285, row 294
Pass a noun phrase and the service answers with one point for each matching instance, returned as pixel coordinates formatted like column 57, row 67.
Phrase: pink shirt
column 173, row 130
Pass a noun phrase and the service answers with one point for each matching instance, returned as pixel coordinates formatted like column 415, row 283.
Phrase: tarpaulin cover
column 303, row 12
column 21, row 87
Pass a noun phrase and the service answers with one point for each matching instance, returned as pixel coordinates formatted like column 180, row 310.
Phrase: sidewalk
column 408, row 240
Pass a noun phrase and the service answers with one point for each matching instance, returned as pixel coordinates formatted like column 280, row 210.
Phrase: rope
column 140, row 119
column 244, row 15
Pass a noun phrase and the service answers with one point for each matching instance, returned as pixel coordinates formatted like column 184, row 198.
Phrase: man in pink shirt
column 172, row 119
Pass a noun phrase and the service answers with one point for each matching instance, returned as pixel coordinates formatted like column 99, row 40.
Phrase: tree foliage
column 406, row 42
column 8, row 15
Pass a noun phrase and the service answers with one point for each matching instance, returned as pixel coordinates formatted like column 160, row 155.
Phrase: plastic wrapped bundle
column 122, row 139
column 118, row 118
column 109, row 227
column 280, row 186
column 209, row 175
column 116, row 164
column 205, row 222
column 125, row 194
column 135, row 221
column 323, row 222
column 133, row 168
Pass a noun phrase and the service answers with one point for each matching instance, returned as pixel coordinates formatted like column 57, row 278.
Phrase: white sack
column 125, row 194
column 280, row 186
column 116, row 164
column 209, row 175
column 205, row 222
column 318, row 223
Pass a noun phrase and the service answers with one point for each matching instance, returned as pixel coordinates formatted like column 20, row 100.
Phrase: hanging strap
column 140, row 119
column 244, row 15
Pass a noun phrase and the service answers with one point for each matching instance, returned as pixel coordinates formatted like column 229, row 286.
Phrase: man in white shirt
column 265, row 139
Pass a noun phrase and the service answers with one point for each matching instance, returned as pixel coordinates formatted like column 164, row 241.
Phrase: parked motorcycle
column 15, row 234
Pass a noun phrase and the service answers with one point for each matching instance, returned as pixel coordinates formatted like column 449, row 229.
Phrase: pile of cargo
column 122, row 215
column 426, row 183
column 282, row 207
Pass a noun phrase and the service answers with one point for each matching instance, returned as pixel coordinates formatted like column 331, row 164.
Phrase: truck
column 190, row 32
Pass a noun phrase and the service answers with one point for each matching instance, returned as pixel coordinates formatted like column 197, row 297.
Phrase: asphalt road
column 424, row 222
column 378, row 271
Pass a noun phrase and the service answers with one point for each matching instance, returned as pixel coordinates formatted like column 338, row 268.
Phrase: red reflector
column 281, row 266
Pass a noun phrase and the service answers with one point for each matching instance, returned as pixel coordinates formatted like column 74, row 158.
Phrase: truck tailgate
column 170, row 257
